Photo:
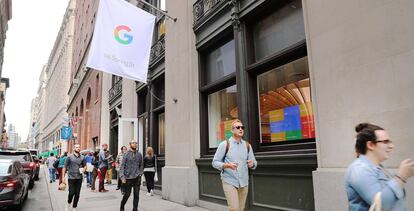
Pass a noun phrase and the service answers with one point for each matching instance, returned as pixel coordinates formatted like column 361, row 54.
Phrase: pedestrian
column 130, row 172
column 50, row 161
column 234, row 157
column 103, row 166
column 95, row 164
column 88, row 172
column 149, row 170
column 74, row 166
column 108, row 175
column 118, row 162
column 62, row 160
column 366, row 176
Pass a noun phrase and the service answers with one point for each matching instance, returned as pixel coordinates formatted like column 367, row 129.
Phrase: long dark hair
column 365, row 133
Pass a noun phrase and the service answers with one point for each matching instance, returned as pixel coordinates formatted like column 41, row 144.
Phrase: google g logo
column 127, row 38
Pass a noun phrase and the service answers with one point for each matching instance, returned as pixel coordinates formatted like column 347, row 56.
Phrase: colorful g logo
column 127, row 38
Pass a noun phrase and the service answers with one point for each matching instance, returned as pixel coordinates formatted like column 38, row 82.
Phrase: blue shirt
column 62, row 162
column 364, row 179
column 237, row 153
column 88, row 159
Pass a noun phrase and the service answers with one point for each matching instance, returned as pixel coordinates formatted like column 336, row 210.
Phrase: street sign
column 66, row 133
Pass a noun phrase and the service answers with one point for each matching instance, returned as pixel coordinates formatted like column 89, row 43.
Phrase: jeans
column 149, row 179
column 52, row 174
column 88, row 178
column 74, row 190
column 132, row 183
column 102, row 178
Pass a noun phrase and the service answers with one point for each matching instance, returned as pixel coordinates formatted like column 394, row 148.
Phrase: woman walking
column 61, row 165
column 366, row 176
column 95, row 163
column 149, row 170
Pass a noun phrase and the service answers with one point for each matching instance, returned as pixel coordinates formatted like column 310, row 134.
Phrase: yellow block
column 276, row 115
column 306, row 109
column 277, row 137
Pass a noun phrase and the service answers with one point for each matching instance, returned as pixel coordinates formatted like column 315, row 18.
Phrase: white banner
column 122, row 39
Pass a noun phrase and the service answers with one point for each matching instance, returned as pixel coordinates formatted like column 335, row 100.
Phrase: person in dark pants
column 130, row 171
column 95, row 163
column 149, row 170
column 74, row 166
column 103, row 166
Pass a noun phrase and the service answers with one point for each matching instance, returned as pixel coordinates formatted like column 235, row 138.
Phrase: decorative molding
column 203, row 7
column 116, row 91
column 157, row 51
column 235, row 14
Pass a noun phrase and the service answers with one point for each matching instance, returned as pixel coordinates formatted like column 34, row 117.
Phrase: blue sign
column 66, row 132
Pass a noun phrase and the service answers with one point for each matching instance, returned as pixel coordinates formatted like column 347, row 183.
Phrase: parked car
column 25, row 158
column 14, row 184
column 37, row 163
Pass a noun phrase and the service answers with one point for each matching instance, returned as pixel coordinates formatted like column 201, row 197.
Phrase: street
column 45, row 196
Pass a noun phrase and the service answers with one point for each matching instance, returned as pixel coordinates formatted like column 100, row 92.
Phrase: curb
column 52, row 195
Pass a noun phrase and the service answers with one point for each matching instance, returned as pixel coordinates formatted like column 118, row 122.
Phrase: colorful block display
column 292, row 123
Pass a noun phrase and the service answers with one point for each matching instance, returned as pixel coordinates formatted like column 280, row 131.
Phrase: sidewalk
column 110, row 201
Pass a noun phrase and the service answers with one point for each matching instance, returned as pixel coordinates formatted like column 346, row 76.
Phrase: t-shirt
column 50, row 161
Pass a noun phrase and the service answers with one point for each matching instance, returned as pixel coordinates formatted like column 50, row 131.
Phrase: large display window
column 222, row 110
column 285, row 106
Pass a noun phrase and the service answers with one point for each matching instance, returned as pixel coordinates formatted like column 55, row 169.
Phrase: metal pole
column 159, row 10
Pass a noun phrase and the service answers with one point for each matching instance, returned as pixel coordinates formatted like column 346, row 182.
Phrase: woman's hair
column 65, row 154
column 150, row 151
column 123, row 147
column 365, row 133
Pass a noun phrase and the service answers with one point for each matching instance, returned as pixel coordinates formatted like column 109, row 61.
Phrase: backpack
column 228, row 147
column 56, row 164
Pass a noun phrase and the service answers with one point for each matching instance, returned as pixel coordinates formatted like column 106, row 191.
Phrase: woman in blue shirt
column 365, row 177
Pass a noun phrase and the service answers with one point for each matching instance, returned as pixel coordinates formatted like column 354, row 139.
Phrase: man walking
column 74, row 166
column 103, row 166
column 233, row 158
column 50, row 161
column 130, row 172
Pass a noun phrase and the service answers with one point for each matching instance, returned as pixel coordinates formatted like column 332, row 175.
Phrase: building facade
column 14, row 138
column 300, row 75
column 58, row 72
column 85, row 84
column 38, row 133
column 5, row 16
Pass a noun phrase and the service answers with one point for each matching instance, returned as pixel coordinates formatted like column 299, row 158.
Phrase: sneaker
column 152, row 192
column 148, row 194
column 104, row 191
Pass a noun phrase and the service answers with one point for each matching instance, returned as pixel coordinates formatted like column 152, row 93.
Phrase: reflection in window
column 285, row 103
column 280, row 30
column 221, row 62
column 222, row 109
column 161, row 133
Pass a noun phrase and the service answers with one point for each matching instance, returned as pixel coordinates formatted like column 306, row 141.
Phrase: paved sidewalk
column 110, row 201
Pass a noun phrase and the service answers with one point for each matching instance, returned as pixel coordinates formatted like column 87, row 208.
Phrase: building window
column 218, row 105
column 222, row 109
column 161, row 133
column 285, row 107
column 279, row 30
column 220, row 62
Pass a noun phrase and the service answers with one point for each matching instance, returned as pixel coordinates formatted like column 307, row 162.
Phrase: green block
column 228, row 134
column 294, row 135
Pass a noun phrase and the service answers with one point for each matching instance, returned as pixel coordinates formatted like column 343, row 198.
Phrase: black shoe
column 118, row 188
column 50, row 181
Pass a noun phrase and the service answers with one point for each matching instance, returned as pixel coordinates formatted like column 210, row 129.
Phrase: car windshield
column 5, row 168
column 18, row 157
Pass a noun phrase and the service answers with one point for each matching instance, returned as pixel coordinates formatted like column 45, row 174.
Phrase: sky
column 30, row 38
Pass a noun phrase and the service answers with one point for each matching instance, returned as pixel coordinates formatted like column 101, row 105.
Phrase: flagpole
column 159, row 10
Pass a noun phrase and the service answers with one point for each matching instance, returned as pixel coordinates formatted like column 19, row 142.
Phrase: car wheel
column 31, row 183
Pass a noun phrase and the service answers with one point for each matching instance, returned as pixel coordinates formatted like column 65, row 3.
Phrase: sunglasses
column 239, row 127
column 384, row 141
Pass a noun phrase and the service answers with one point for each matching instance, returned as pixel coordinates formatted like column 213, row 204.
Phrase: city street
column 45, row 196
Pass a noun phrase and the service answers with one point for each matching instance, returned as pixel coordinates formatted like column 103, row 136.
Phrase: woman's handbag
column 62, row 186
column 156, row 177
column 89, row 167
column 376, row 203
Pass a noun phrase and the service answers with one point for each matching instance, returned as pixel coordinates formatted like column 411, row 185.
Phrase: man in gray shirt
column 74, row 166
column 130, row 172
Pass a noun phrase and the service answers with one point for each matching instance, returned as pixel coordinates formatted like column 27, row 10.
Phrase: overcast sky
column 30, row 38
